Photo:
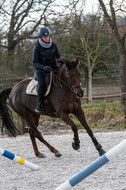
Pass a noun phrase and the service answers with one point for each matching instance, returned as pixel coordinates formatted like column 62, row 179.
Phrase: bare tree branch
column 120, row 44
column 20, row 16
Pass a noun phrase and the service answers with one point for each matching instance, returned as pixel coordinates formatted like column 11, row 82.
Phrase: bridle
column 69, row 72
column 69, row 75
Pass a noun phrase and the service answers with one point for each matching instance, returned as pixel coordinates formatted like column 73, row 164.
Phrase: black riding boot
column 39, row 107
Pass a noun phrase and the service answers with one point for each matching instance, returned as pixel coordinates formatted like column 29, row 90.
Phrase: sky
column 91, row 6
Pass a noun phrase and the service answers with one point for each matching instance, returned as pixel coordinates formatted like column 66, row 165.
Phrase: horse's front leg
column 81, row 117
column 66, row 118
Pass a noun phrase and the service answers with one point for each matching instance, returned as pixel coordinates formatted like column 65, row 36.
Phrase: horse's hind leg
column 34, row 133
column 36, row 151
column 32, row 136
column 81, row 117
column 32, row 121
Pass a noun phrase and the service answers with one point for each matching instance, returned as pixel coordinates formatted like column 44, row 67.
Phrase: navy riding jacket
column 45, row 56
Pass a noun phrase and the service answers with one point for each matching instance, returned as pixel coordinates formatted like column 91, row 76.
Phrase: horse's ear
column 77, row 62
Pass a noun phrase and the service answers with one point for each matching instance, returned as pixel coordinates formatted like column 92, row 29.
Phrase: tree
column 88, row 43
column 110, row 16
column 21, row 18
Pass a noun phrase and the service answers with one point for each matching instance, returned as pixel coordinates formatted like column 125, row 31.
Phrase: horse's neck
column 62, row 73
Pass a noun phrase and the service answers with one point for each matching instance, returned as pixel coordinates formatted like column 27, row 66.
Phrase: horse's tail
column 6, row 115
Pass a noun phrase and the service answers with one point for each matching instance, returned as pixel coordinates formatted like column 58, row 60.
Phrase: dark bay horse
column 64, row 98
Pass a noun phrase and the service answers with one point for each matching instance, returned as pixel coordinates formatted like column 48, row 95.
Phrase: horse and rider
column 63, row 98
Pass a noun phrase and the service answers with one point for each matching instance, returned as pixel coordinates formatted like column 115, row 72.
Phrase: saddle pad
column 32, row 87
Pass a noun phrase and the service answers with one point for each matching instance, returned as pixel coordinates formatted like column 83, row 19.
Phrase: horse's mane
column 65, row 64
column 62, row 61
column 70, row 64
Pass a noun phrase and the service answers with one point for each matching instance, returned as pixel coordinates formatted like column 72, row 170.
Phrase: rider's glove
column 47, row 69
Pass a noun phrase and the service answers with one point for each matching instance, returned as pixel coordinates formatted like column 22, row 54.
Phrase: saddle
column 33, row 85
column 32, row 90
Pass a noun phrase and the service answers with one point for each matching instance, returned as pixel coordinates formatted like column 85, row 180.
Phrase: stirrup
column 39, row 108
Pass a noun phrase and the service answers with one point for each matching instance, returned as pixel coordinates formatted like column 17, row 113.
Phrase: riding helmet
column 43, row 32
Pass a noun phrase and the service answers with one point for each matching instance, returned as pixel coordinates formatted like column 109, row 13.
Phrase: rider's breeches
column 41, row 80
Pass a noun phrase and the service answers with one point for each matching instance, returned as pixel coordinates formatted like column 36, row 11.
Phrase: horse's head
column 71, row 74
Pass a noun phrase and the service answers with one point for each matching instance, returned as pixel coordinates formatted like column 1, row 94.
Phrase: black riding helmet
column 43, row 32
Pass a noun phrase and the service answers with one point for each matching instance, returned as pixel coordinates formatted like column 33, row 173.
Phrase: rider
column 44, row 60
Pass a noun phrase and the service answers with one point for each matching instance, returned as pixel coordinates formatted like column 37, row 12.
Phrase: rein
column 68, row 76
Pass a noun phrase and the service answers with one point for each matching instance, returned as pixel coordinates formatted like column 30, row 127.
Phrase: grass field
column 98, row 115
column 104, row 115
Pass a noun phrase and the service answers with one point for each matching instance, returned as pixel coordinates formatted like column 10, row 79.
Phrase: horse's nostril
column 80, row 94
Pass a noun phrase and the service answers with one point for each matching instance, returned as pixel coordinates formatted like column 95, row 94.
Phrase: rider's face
column 45, row 39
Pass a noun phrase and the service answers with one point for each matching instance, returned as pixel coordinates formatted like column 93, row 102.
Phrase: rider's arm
column 36, row 63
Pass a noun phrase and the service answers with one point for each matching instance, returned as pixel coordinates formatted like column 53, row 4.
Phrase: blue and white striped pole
column 93, row 167
column 18, row 159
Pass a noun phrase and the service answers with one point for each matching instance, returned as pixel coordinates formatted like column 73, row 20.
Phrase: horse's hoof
column 101, row 152
column 40, row 155
column 75, row 147
column 58, row 154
